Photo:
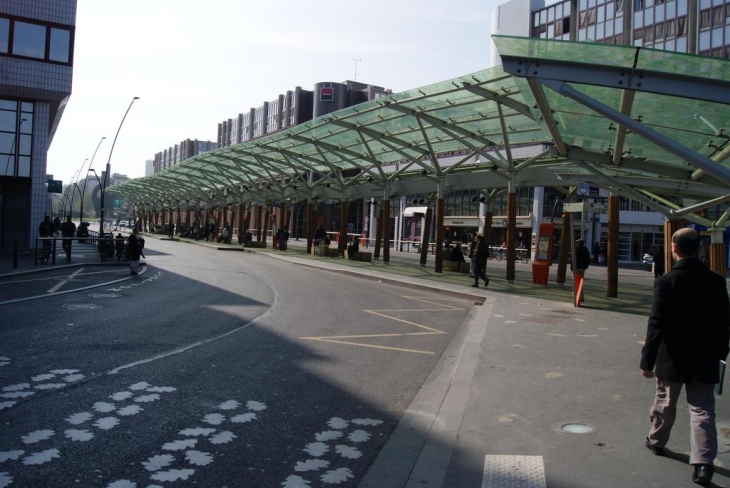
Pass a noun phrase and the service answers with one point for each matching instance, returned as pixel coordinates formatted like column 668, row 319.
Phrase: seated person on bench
column 353, row 248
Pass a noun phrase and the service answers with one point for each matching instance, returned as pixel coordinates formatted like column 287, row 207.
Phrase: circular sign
column 583, row 188
column 350, row 225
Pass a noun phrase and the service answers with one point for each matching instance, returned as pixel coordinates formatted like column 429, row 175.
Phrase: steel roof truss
column 720, row 172
column 547, row 114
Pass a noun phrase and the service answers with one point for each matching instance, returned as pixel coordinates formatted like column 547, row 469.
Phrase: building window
column 29, row 40
column 705, row 19
column 4, row 35
column 16, row 137
column 60, row 48
column 35, row 40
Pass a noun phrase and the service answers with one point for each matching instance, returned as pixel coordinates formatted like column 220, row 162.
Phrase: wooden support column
column 311, row 225
column 378, row 234
column 239, row 222
column 426, row 236
column 670, row 227
column 612, row 247
column 439, row 257
column 439, row 226
column 386, row 228
column 267, row 219
column 342, row 245
column 717, row 251
column 259, row 222
column 178, row 219
column 511, row 234
column 565, row 238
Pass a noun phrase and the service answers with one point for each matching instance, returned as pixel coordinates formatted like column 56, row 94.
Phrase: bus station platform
column 532, row 392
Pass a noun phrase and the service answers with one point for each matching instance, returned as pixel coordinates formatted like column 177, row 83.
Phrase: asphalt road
column 212, row 368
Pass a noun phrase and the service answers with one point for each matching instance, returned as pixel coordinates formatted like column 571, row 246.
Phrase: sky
column 194, row 64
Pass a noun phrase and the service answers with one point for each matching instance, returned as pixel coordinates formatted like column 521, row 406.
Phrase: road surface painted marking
column 69, row 278
column 367, row 345
column 329, row 452
column 382, row 313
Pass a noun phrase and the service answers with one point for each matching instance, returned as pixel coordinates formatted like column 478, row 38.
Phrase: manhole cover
column 573, row 428
column 104, row 295
column 81, row 306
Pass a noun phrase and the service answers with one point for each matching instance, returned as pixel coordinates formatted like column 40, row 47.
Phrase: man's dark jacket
column 689, row 325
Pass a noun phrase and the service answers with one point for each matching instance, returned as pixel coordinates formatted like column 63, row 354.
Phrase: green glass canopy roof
column 648, row 124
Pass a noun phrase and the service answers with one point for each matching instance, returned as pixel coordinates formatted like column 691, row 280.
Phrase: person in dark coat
column 582, row 261
column 135, row 251
column 658, row 260
column 171, row 230
column 45, row 229
column 68, row 230
column 596, row 252
column 687, row 335
column 480, row 265
column 319, row 236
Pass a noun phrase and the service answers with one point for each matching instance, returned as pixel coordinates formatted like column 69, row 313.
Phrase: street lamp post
column 75, row 180
column 83, row 192
column 108, row 168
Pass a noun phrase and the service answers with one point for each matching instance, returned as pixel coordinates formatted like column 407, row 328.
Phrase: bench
column 363, row 256
column 255, row 244
column 332, row 252
column 456, row 266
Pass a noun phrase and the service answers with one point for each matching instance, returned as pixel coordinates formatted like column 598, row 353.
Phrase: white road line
column 70, row 277
column 513, row 472
column 53, row 278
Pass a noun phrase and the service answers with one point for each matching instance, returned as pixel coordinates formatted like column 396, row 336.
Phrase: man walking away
column 472, row 252
column 135, row 251
column 68, row 230
column 686, row 337
column 45, row 229
column 319, row 236
column 582, row 260
column 171, row 230
column 480, row 255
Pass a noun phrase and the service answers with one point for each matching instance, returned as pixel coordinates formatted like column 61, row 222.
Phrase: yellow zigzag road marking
column 380, row 313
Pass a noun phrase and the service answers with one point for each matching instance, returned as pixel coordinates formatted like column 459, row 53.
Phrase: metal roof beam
column 720, row 172
column 547, row 114
column 520, row 108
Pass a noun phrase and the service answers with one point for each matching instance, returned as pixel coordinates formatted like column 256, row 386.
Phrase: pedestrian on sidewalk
column 135, row 251
column 480, row 255
column 658, row 261
column 171, row 230
column 582, row 260
column 46, row 229
column 319, row 236
column 68, row 230
column 686, row 338
column 472, row 251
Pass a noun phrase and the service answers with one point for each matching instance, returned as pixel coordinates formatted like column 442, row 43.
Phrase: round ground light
column 574, row 428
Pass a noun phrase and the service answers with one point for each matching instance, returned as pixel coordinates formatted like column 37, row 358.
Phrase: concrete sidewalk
column 533, row 391
column 524, row 369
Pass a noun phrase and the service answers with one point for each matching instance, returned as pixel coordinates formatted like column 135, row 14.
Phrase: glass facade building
column 36, row 62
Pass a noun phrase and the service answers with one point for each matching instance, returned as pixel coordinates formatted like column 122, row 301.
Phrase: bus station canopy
column 650, row 125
